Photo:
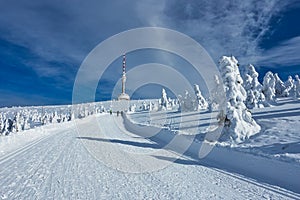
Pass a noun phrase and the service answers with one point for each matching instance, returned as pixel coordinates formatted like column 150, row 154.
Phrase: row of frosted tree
column 19, row 119
column 257, row 95
column 242, row 92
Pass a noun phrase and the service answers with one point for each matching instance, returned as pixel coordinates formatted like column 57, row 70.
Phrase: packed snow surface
column 85, row 158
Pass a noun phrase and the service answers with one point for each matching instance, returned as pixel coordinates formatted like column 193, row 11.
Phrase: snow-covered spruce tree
column 164, row 103
column 289, row 84
column 269, row 87
column 145, row 106
column 186, row 103
column 255, row 97
column 215, row 97
column 247, row 82
column 1, row 124
column 8, row 126
column 200, row 103
column 297, row 86
column 280, row 89
column 238, row 122
column 18, row 121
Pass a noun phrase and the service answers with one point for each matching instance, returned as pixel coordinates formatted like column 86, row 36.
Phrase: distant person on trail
column 110, row 112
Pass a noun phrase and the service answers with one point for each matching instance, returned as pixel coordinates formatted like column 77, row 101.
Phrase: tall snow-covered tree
column 200, row 103
column 280, row 89
column 238, row 122
column 269, row 87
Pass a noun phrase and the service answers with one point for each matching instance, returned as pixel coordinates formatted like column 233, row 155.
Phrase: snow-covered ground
column 62, row 165
column 280, row 135
column 101, row 156
column 278, row 139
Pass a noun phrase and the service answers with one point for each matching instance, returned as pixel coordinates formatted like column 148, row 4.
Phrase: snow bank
column 275, row 172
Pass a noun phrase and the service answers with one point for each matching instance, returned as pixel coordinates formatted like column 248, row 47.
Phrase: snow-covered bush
column 238, row 122
column 269, row 87
column 200, row 103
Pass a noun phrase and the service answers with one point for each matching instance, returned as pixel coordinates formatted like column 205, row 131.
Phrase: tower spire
column 123, row 95
column 124, row 63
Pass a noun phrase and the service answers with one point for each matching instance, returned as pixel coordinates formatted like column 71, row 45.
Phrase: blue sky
column 43, row 43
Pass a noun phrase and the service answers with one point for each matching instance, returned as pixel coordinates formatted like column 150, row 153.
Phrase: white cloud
column 62, row 32
column 222, row 27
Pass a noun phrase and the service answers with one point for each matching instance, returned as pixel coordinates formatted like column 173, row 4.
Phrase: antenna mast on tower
column 123, row 95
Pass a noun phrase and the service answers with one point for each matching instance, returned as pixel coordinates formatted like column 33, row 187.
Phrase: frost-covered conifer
column 186, row 103
column 280, row 89
column 289, row 84
column 238, row 121
column 164, row 103
column 215, row 97
column 200, row 103
column 297, row 86
column 255, row 97
column 269, row 87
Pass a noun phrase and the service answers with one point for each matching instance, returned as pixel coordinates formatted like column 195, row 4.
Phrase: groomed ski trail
column 61, row 166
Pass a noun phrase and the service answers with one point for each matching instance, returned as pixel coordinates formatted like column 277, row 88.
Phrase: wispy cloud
column 62, row 32
column 284, row 54
column 222, row 27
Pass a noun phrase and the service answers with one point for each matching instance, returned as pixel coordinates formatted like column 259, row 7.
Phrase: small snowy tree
column 186, row 103
column 215, row 97
column 289, row 84
column 280, row 89
column 132, row 108
column 297, row 86
column 144, row 106
column 201, row 103
column 238, row 122
column 269, row 87
column 248, row 82
column 164, row 103
column 255, row 97
column 1, row 123
column 18, row 121
column 8, row 126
